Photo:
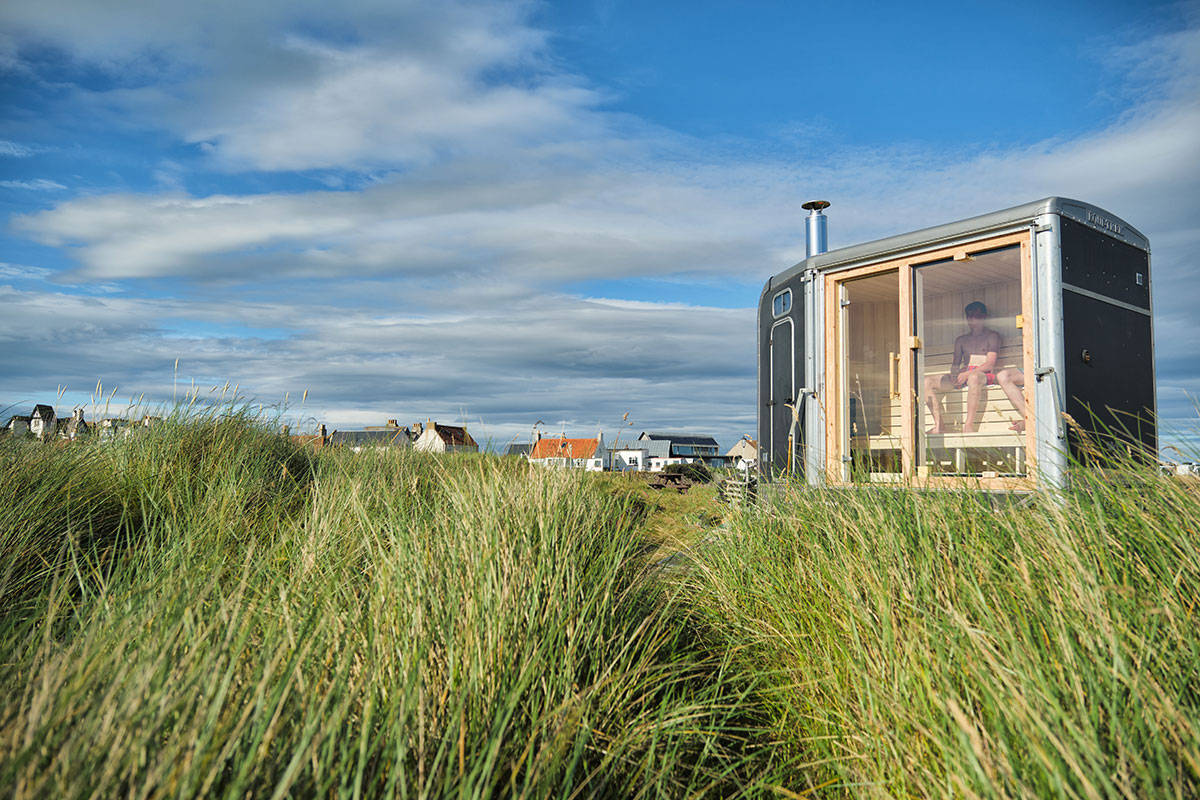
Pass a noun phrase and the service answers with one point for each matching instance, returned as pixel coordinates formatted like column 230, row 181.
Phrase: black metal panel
column 780, row 372
column 1108, row 377
column 783, row 386
column 1099, row 263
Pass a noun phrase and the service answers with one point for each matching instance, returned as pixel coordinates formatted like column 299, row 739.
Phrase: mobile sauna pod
column 875, row 360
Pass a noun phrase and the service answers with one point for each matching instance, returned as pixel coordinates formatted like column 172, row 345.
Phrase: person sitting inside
column 975, row 354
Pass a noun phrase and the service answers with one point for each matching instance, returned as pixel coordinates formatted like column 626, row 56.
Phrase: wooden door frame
column 836, row 434
column 835, row 422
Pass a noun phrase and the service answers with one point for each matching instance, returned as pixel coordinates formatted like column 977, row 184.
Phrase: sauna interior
column 989, row 444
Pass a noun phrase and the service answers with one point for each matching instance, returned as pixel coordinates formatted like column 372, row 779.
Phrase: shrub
column 697, row 471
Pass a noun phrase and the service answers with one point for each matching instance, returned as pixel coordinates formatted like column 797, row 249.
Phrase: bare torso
column 975, row 350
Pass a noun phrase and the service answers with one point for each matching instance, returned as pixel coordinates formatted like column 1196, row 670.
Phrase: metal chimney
column 816, row 228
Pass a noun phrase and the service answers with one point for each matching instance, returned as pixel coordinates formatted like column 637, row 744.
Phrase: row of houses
column 650, row 452
column 429, row 437
column 44, row 424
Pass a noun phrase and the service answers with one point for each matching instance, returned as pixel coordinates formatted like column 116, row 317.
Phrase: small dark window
column 783, row 302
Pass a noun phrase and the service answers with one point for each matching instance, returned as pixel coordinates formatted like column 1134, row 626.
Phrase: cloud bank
column 462, row 214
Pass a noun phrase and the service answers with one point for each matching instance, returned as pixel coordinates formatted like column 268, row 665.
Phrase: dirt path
column 675, row 521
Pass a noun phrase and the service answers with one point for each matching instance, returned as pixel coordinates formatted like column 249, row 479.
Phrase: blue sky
column 504, row 212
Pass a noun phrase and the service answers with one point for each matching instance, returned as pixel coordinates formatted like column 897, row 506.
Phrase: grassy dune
column 211, row 610
column 951, row 645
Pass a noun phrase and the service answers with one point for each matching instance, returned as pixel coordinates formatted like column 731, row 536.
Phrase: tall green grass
column 957, row 645
column 208, row 610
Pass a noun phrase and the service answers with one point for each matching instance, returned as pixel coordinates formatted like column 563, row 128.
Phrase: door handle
column 893, row 374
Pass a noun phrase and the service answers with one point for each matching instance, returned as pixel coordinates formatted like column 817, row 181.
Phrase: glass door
column 970, row 414
column 871, row 429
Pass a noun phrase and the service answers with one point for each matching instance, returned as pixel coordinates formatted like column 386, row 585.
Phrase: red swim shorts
column 991, row 377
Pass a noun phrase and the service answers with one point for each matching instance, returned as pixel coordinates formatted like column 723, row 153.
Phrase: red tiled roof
column 564, row 448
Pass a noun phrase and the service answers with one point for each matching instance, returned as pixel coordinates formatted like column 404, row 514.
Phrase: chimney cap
column 816, row 205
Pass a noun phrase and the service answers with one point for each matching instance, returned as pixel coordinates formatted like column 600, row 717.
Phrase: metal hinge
column 845, row 303
column 1042, row 372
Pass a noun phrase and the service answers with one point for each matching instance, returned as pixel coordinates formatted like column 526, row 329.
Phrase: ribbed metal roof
column 682, row 438
column 660, row 448
column 930, row 238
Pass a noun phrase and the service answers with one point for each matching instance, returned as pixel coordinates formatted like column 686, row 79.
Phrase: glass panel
column 969, row 368
column 872, row 399
column 782, row 303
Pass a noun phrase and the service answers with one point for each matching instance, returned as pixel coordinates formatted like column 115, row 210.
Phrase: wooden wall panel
column 944, row 321
column 873, row 335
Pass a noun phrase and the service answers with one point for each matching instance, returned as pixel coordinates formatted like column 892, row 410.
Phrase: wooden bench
column 993, row 447
column 669, row 480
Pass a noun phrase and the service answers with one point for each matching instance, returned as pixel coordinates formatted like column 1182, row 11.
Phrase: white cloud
column 15, row 150
column 300, row 85
column 561, row 359
column 560, row 227
column 362, row 108
column 22, row 272
column 487, row 185
column 36, row 185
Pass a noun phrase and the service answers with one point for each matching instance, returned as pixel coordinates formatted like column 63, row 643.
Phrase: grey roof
column 680, row 438
column 939, row 234
column 518, row 449
column 655, row 448
column 43, row 411
column 395, row 437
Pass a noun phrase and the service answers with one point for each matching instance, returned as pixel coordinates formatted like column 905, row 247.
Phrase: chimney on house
column 391, row 423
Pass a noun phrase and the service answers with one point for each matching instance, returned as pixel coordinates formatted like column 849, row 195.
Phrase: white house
column 18, row 425
column 744, row 454
column 681, row 448
column 42, row 421
column 587, row 454
column 434, row 438
column 630, row 459
column 111, row 426
column 379, row 437
column 74, row 426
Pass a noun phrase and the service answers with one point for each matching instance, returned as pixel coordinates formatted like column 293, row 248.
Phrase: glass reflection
column 871, row 325
column 971, row 410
